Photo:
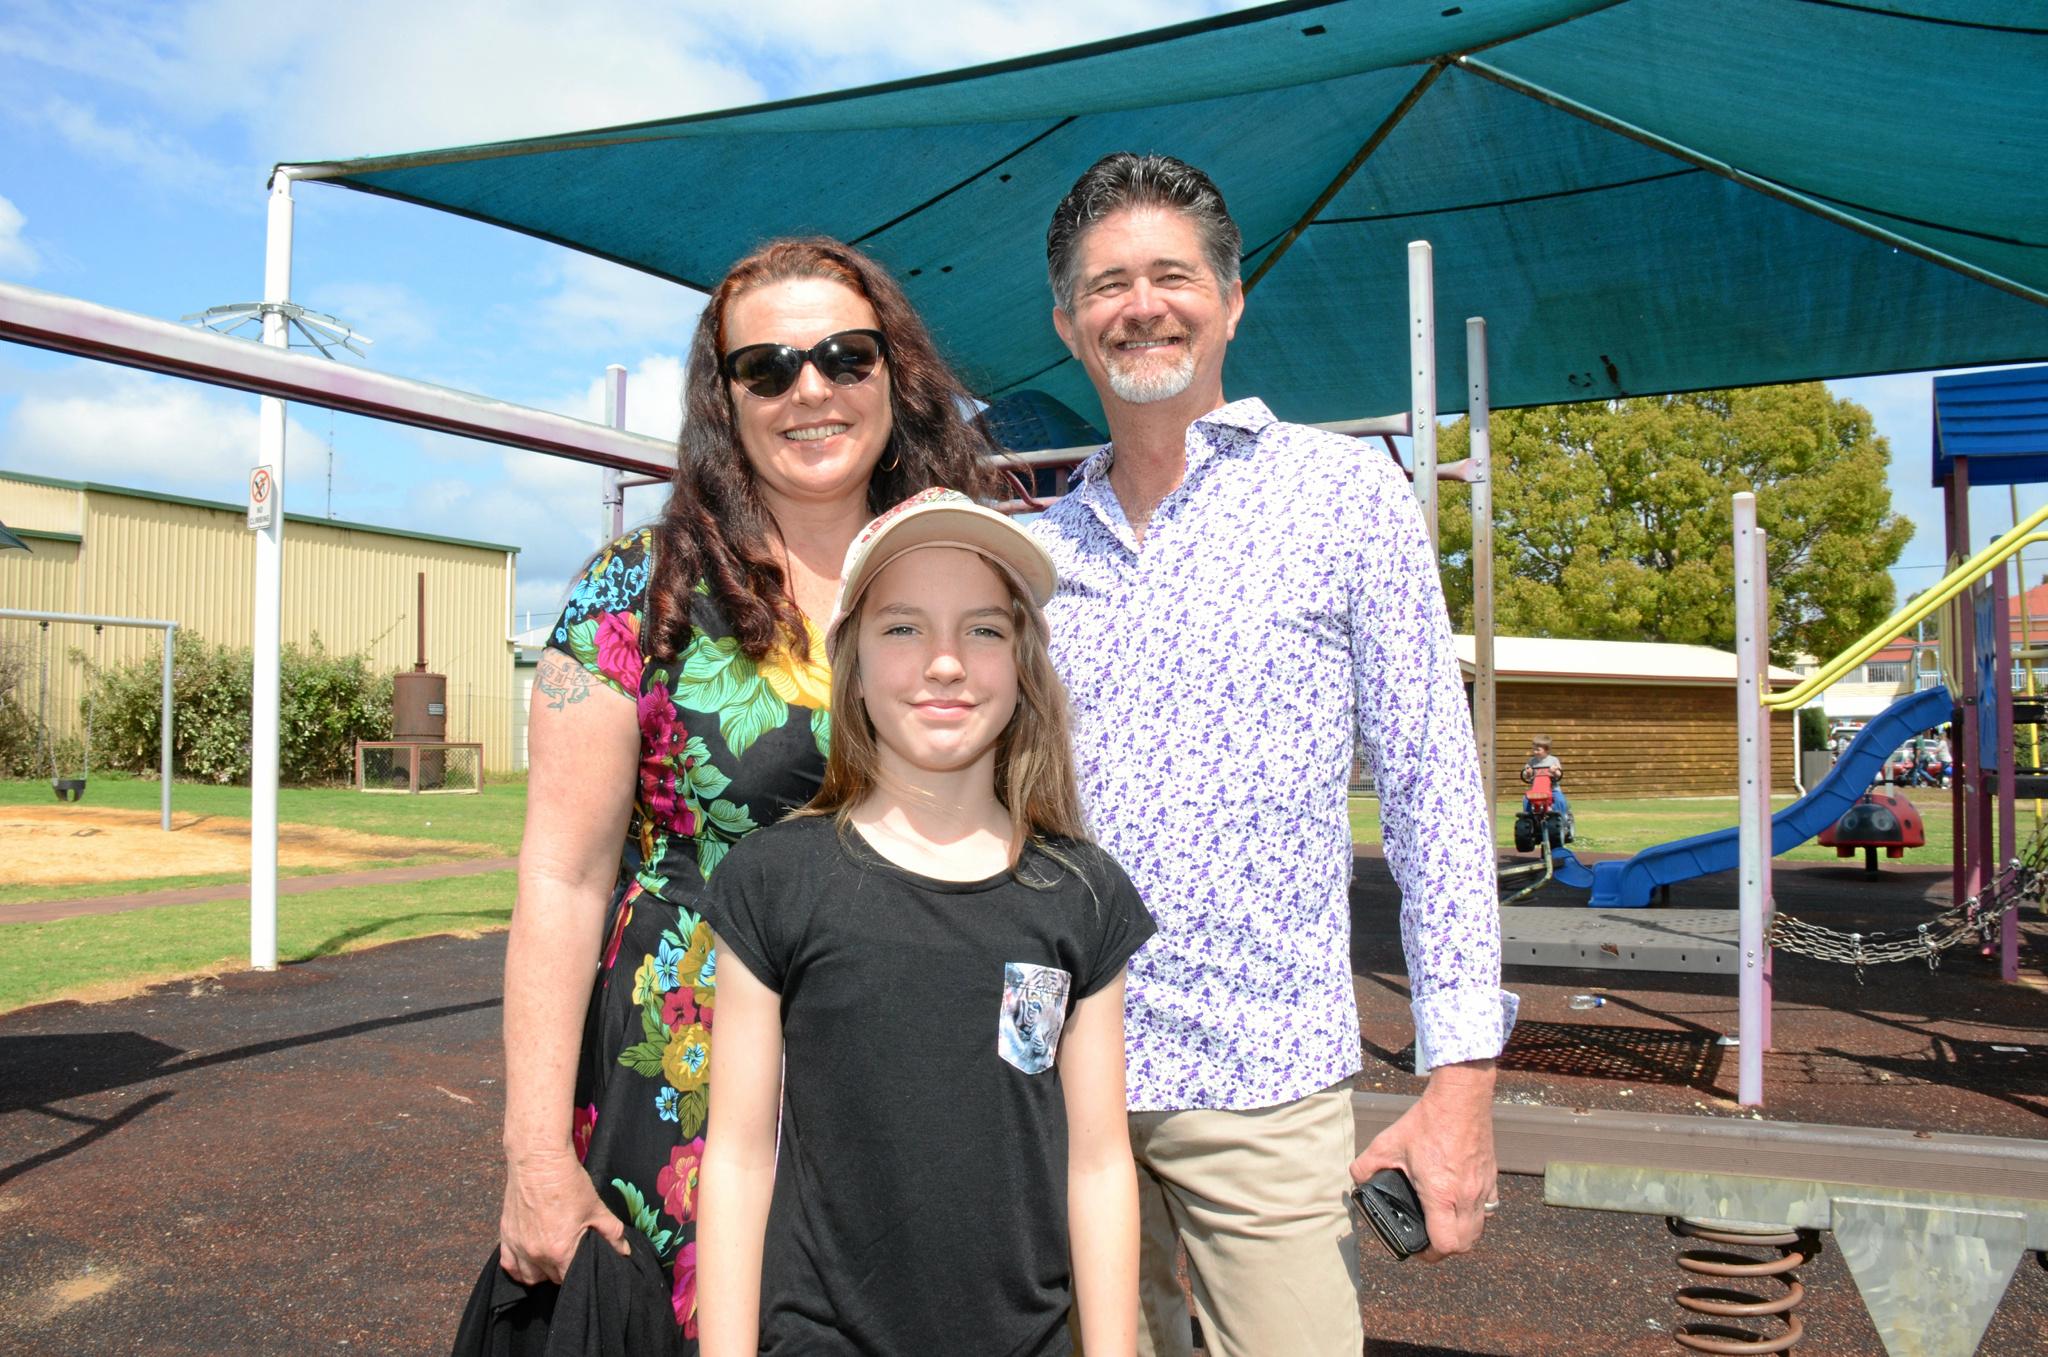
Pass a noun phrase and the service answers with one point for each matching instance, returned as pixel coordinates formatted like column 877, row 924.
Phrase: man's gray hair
column 1125, row 180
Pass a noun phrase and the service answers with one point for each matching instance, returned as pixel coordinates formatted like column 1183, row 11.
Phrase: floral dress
column 726, row 747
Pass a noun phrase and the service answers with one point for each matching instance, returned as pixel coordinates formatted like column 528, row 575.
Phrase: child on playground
column 1541, row 760
column 921, row 993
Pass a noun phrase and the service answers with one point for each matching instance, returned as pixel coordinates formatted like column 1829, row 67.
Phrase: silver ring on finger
column 1490, row 1207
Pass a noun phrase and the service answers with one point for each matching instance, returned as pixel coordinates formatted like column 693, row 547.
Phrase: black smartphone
column 1390, row 1207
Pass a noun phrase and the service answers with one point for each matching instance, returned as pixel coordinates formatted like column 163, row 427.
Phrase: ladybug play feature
column 1878, row 820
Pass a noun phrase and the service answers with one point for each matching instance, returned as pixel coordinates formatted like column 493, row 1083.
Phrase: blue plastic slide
column 1631, row 884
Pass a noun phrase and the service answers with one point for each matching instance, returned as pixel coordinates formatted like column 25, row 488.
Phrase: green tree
column 1612, row 519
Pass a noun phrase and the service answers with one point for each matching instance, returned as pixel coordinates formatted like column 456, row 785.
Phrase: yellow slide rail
column 1953, row 584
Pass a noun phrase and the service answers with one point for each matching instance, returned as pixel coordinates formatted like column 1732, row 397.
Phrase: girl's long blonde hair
column 1034, row 771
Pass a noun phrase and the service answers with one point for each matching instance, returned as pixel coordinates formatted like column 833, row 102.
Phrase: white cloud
column 834, row 43
column 390, row 314
column 394, row 75
column 382, row 76
column 17, row 256
column 142, row 150
column 549, row 507
column 601, row 300
column 90, row 422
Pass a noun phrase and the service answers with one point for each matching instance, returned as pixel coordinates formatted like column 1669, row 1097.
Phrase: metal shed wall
column 43, row 578
column 351, row 586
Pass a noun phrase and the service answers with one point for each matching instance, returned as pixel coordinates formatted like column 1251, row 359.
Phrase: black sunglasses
column 844, row 359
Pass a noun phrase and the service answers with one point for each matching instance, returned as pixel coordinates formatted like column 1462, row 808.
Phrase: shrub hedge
column 327, row 703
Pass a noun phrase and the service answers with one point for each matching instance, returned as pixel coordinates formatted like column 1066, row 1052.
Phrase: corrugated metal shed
column 350, row 585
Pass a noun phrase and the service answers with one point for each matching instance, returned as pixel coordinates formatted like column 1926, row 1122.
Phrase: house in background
column 1626, row 718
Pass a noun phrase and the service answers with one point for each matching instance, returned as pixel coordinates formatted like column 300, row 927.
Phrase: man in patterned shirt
column 1239, row 599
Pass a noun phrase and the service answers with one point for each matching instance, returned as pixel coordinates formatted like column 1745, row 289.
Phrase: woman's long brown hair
column 716, row 529
column 1034, row 771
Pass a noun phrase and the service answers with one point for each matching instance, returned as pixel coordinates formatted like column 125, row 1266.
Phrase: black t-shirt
column 920, row 1201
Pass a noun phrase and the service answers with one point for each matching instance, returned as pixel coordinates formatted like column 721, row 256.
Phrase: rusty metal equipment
column 1732, row 1293
column 420, row 757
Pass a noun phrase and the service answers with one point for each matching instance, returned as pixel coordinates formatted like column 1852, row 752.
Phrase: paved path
column 43, row 911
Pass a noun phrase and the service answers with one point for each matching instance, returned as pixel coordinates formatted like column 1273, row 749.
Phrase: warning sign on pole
column 262, row 499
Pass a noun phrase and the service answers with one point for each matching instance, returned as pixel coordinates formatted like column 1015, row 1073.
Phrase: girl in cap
column 933, row 957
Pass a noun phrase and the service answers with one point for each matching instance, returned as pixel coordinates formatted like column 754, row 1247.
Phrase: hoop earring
column 898, row 452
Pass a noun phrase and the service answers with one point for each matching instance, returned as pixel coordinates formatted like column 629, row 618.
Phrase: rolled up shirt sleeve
column 1417, row 733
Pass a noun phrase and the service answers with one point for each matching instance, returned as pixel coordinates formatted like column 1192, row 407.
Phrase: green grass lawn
column 1629, row 826
column 77, row 958
column 110, row 955
column 493, row 816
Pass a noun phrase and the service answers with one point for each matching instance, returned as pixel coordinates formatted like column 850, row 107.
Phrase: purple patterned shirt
column 1284, row 601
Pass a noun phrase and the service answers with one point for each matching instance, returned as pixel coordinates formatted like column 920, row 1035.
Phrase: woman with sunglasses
column 682, row 704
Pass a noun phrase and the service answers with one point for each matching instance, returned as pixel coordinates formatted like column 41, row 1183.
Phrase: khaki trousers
column 1259, row 1199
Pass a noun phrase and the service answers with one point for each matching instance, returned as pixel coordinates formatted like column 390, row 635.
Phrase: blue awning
column 1640, row 197
column 1999, row 420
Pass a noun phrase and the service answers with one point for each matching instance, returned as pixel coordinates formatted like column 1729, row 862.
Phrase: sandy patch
column 61, row 845
column 78, row 1290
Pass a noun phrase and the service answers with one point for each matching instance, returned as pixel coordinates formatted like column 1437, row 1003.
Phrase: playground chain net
column 1976, row 920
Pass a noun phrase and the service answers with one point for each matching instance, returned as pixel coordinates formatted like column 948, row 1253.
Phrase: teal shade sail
column 1639, row 197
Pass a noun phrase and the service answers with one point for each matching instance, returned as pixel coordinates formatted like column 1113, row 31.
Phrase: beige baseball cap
column 939, row 518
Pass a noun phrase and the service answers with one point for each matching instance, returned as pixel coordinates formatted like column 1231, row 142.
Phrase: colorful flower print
column 684, row 1297
column 726, row 745
column 666, row 964
column 797, row 679
column 617, row 644
column 679, row 1008
column 696, row 968
column 677, row 1183
column 686, row 1058
column 665, row 749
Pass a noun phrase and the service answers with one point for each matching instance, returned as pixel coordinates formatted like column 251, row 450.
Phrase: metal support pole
column 164, row 752
column 1753, row 809
column 2019, row 562
column 1761, row 581
column 2008, row 751
column 1956, row 642
column 614, row 479
column 1480, row 422
column 1970, row 839
column 1422, row 384
column 267, row 631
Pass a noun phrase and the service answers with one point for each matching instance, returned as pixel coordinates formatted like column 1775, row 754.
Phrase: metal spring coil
column 1724, row 1303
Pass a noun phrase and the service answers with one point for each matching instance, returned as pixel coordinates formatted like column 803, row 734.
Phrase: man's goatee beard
column 1147, row 388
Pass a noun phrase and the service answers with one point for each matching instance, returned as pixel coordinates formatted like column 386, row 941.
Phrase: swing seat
column 68, row 788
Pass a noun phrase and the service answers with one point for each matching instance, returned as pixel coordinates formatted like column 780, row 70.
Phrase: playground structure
column 72, row 789
column 1877, row 820
column 1997, row 421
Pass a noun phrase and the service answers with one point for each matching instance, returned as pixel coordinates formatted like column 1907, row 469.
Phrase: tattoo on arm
column 561, row 680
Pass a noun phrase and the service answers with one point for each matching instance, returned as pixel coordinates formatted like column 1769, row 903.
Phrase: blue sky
column 134, row 144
